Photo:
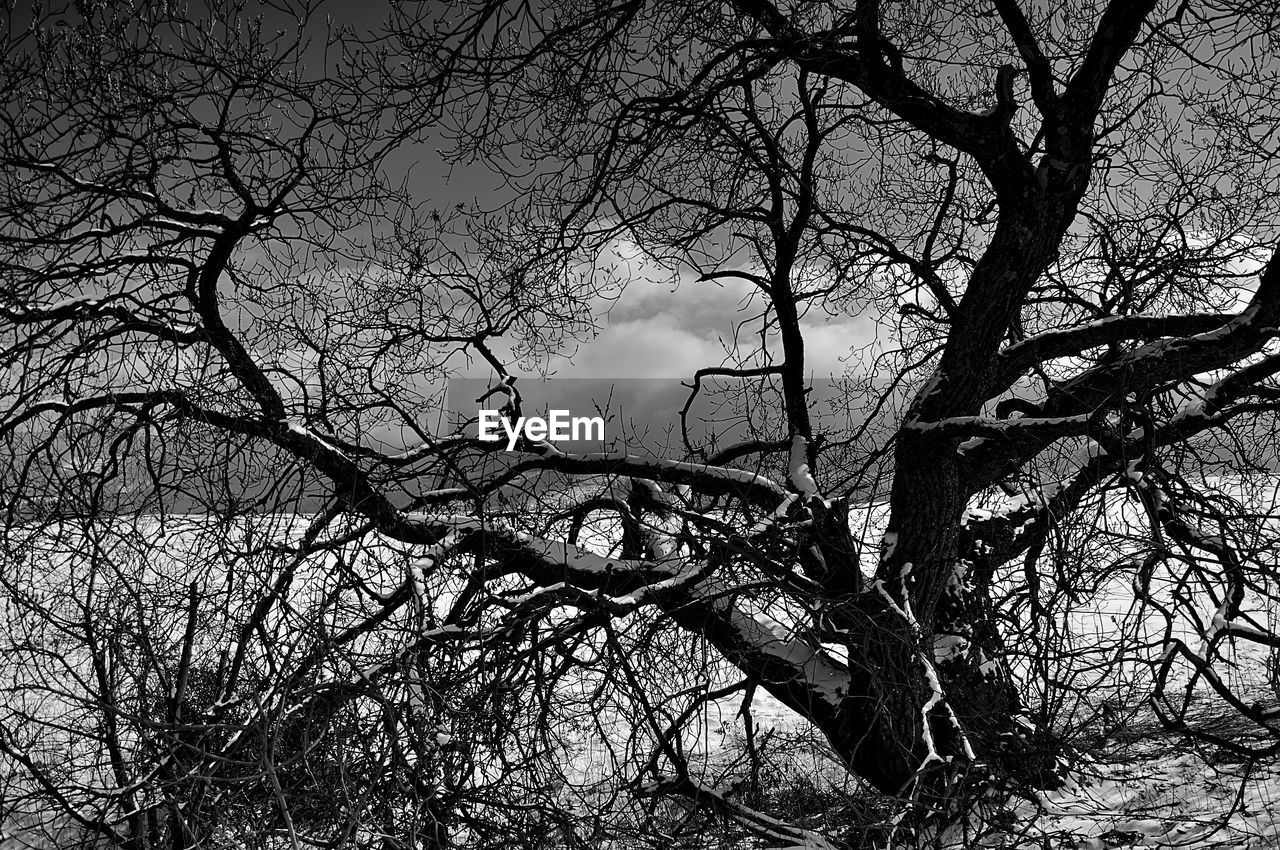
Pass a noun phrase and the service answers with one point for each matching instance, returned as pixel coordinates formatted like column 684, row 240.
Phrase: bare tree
column 193, row 273
column 222, row 296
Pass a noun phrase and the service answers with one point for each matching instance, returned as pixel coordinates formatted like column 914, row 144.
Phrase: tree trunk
column 931, row 692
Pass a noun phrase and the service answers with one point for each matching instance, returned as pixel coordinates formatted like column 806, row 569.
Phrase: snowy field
column 1144, row 787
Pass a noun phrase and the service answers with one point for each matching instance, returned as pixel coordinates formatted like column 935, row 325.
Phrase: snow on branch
column 971, row 427
column 1147, row 368
column 779, row 513
column 766, row 635
column 1178, row 358
column 1030, row 502
column 297, row 426
column 714, row 480
column 791, row 667
column 577, row 575
column 566, row 560
column 1215, row 406
column 798, row 471
column 1015, row 360
column 928, row 664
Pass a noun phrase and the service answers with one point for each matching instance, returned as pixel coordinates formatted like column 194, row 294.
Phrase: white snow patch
column 798, row 470
column 946, row 647
column 888, row 544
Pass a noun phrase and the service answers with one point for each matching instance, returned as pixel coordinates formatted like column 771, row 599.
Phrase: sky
column 652, row 338
column 653, row 329
column 656, row 328
column 660, row 328
column 656, row 332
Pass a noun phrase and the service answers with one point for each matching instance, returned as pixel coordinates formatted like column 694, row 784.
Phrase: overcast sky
column 660, row 329
column 656, row 329
column 652, row 340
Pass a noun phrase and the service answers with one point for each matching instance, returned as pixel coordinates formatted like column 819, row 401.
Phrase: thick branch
column 1037, row 64
column 1017, row 359
column 1146, row 369
column 985, row 137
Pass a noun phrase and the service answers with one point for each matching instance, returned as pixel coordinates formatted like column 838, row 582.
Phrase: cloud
column 656, row 322
column 665, row 324
column 654, row 347
column 832, row 347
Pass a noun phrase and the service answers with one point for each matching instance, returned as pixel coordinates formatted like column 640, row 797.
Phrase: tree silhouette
column 225, row 297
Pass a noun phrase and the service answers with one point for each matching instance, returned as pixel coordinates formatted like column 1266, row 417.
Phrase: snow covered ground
column 1145, row 787
column 1156, row 792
